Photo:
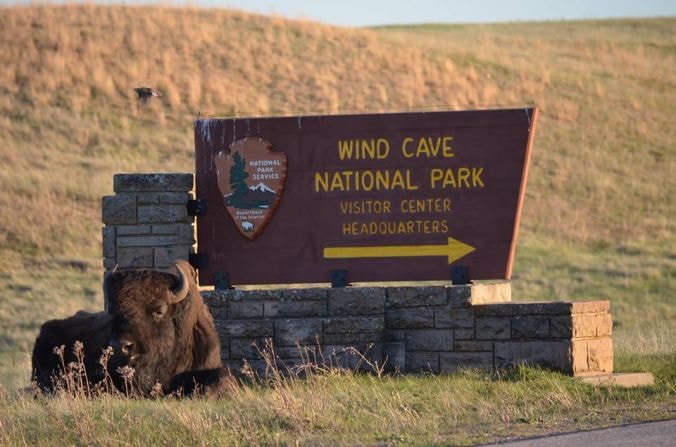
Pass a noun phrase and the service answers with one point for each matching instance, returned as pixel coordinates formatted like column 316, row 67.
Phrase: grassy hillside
column 598, row 219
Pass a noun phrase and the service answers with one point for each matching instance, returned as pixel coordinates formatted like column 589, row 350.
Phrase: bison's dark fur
column 156, row 322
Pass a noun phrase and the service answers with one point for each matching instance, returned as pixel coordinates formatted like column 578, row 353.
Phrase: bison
column 157, row 325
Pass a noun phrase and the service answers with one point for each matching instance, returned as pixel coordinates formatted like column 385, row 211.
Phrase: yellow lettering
column 449, row 179
column 447, row 150
column 409, row 185
column 463, row 177
column 383, row 148
column 367, row 149
column 345, row 149
column 382, row 180
column 403, row 147
column 337, row 182
column 363, row 180
column 436, row 174
column 476, row 177
column 397, row 180
column 423, row 148
column 321, row 179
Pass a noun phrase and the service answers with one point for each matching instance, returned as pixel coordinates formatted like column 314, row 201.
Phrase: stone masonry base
column 411, row 329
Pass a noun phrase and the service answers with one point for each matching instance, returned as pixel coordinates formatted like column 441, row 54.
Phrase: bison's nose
column 127, row 347
column 124, row 347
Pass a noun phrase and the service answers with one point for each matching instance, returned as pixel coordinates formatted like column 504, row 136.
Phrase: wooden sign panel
column 387, row 197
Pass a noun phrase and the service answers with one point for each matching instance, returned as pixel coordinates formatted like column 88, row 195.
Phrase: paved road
column 650, row 434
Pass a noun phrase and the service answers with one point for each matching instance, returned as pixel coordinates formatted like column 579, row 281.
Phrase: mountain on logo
column 262, row 187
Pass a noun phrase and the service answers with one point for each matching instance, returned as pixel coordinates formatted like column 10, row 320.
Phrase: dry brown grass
column 601, row 175
column 312, row 404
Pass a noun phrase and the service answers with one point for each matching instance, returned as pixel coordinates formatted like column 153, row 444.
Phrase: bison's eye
column 157, row 310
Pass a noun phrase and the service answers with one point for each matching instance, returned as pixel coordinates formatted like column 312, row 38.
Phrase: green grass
column 343, row 408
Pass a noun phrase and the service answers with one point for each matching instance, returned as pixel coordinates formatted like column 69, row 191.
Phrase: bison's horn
column 184, row 274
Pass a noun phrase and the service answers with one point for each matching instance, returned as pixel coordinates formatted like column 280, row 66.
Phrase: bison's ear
column 185, row 276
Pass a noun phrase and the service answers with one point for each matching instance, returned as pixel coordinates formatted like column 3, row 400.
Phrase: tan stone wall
column 413, row 329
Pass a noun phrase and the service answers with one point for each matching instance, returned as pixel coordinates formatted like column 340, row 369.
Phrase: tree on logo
column 238, row 176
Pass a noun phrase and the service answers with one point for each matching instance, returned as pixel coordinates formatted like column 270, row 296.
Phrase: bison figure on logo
column 157, row 325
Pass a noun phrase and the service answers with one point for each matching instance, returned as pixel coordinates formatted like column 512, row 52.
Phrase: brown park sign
column 387, row 197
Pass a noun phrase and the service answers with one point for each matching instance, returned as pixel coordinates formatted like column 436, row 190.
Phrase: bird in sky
column 145, row 94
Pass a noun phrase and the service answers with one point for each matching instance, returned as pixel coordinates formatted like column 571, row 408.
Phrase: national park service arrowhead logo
column 251, row 179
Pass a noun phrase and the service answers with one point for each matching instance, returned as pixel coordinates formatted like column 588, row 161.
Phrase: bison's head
column 153, row 314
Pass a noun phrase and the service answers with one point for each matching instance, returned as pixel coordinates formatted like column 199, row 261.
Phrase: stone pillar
column 146, row 222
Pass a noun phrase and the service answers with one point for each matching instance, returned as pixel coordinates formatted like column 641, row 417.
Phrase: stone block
column 316, row 308
column 108, row 240
column 310, row 353
column 491, row 293
column 245, row 309
column 584, row 326
column 218, row 308
column 552, row 354
column 453, row 317
column 166, row 198
column 422, row 362
column 578, row 357
column 155, row 182
column 355, row 357
column 416, row 296
column 165, row 229
column 472, row 345
column 353, row 325
column 591, row 325
column 352, row 338
column 395, row 335
column 624, row 380
column 307, row 294
column 453, row 361
column 413, row 317
column 225, row 351
column 561, row 326
column 132, row 230
column 518, row 309
column 245, row 348
column 239, row 294
column 530, row 327
column 135, row 257
column 186, row 233
column 146, row 241
column 463, row 334
column 600, row 355
column 215, row 297
column 604, row 325
column 590, row 307
column 119, row 209
column 304, row 331
column 394, row 356
column 459, row 295
column 429, row 340
column 356, row 301
column 163, row 214
column 244, row 329
column 492, row 328
column 165, row 256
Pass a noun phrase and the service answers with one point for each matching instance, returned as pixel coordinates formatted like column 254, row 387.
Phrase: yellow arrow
column 454, row 250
